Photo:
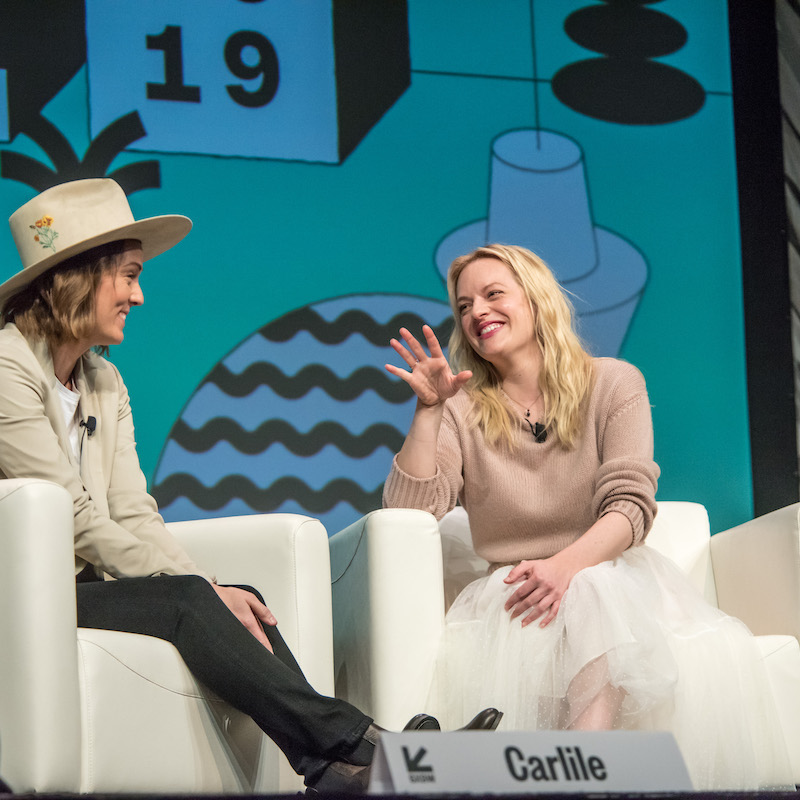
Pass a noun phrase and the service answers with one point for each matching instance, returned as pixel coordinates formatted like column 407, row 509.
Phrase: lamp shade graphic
column 539, row 199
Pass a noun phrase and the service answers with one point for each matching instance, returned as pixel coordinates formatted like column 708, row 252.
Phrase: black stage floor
column 439, row 796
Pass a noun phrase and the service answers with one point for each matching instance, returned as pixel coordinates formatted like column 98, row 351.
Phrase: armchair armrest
column 39, row 704
column 285, row 557
column 388, row 612
column 757, row 572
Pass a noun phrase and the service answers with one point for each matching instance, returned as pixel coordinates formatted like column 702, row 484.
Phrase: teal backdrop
column 255, row 366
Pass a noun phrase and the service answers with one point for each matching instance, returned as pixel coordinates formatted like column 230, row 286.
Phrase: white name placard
column 426, row 762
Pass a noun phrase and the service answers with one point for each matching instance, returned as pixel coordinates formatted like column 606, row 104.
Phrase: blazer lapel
column 91, row 466
column 52, row 402
column 92, row 471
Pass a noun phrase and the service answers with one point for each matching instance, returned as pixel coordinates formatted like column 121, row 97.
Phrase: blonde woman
column 550, row 451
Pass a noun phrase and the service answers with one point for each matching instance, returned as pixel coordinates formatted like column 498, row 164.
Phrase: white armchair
column 395, row 572
column 102, row 711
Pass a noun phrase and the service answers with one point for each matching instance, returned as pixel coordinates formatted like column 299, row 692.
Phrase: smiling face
column 495, row 314
column 117, row 292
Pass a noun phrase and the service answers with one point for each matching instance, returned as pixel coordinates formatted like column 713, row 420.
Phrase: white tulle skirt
column 634, row 647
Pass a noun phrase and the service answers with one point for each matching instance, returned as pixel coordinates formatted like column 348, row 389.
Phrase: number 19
column 173, row 87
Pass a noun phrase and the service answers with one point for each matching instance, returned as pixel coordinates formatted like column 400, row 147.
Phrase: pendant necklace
column 537, row 429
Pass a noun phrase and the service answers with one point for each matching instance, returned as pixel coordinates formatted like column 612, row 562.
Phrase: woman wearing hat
column 65, row 417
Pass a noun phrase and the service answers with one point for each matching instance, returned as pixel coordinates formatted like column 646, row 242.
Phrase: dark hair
column 59, row 305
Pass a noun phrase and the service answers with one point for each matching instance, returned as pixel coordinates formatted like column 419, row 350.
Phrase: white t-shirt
column 69, row 404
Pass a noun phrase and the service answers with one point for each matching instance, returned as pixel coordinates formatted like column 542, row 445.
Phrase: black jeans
column 311, row 729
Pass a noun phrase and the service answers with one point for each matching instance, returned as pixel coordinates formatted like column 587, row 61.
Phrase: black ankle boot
column 343, row 777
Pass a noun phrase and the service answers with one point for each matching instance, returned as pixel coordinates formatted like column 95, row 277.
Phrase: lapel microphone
column 537, row 429
column 90, row 425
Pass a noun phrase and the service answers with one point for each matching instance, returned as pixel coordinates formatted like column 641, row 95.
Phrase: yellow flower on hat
column 44, row 233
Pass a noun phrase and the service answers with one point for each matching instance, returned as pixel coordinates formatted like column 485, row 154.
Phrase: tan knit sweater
column 537, row 499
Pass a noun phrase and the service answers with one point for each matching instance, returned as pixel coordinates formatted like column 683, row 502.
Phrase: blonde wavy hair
column 567, row 375
column 59, row 305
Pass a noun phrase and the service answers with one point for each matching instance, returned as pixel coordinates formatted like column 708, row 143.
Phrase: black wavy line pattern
column 234, row 487
column 352, row 321
column 223, row 429
column 313, row 376
column 327, row 432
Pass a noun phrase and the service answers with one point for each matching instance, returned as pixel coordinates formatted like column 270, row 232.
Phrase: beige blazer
column 117, row 524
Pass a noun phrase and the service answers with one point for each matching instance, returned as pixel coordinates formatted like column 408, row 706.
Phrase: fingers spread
column 433, row 342
column 397, row 372
column 402, row 352
column 462, row 378
column 415, row 347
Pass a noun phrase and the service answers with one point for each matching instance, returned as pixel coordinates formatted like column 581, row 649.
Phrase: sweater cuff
column 402, row 490
column 633, row 512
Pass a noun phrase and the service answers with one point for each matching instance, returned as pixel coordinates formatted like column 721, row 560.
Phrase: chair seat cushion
column 782, row 660
column 153, row 660
column 149, row 726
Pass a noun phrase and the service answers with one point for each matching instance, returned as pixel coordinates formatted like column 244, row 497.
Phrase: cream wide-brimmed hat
column 74, row 217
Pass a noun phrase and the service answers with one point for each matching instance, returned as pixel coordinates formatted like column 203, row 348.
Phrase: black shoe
column 422, row 722
column 486, row 720
column 364, row 751
column 341, row 778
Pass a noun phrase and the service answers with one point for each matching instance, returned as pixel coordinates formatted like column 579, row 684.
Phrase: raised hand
column 429, row 376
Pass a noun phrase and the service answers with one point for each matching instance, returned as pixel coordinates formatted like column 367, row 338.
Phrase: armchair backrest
column 681, row 532
column 460, row 563
column 39, row 699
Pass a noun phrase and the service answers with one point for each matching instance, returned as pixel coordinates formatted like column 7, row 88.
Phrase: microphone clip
column 90, row 423
column 538, row 430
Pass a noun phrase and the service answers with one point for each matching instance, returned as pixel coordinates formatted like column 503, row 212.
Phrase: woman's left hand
column 248, row 609
column 543, row 583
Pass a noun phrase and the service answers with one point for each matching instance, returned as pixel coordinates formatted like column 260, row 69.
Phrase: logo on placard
column 418, row 772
